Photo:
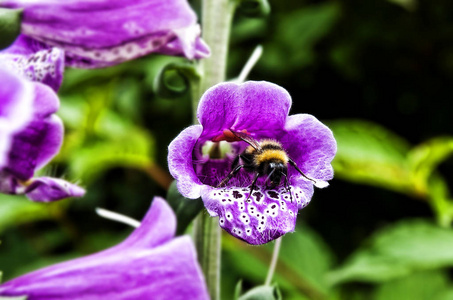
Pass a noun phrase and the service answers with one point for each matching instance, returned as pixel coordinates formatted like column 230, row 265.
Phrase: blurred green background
column 378, row 72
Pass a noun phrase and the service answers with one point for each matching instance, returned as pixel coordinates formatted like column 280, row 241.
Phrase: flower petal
column 37, row 143
column 259, row 218
column 45, row 102
column 15, row 109
column 157, row 227
column 258, row 107
column 9, row 184
column 180, row 162
column 34, row 146
column 47, row 189
column 135, row 269
column 311, row 145
column 184, row 42
column 169, row 271
column 35, row 61
column 102, row 33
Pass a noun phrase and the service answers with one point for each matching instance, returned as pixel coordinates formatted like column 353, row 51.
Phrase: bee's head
column 275, row 171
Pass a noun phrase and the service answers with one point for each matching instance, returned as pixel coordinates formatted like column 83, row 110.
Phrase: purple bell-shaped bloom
column 100, row 33
column 258, row 113
column 30, row 136
column 150, row 264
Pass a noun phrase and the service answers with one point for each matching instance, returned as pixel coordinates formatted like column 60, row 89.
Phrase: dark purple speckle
column 258, row 196
column 273, row 194
column 237, row 195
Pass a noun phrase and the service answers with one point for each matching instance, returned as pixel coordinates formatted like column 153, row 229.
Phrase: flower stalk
column 273, row 264
column 217, row 16
column 207, row 236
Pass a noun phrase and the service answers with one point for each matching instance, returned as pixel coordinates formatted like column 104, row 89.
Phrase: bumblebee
column 265, row 158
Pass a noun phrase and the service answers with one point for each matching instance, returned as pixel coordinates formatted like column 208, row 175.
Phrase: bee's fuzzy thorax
column 267, row 143
column 271, row 150
column 271, row 155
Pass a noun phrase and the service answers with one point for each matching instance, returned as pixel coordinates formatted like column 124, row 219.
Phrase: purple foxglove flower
column 102, row 33
column 30, row 136
column 150, row 264
column 34, row 61
column 260, row 111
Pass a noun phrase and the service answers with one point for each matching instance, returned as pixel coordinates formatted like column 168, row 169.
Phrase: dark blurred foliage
column 378, row 72
column 370, row 60
column 377, row 61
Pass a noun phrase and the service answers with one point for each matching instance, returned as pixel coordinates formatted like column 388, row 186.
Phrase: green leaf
column 254, row 8
column 370, row 154
column 312, row 263
column 309, row 24
column 262, row 293
column 444, row 295
column 296, row 35
column 368, row 267
column 424, row 159
column 418, row 286
column 91, row 161
column 120, row 144
column 185, row 209
column 238, row 290
column 440, row 200
column 410, row 5
column 398, row 250
column 73, row 111
column 10, row 21
column 16, row 210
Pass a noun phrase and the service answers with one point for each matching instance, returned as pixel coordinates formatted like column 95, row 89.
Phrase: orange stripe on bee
column 271, row 154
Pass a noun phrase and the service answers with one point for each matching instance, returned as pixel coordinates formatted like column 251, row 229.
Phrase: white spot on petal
column 229, row 216
column 244, row 218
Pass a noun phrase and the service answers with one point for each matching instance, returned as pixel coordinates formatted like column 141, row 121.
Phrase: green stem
column 216, row 21
column 207, row 242
column 217, row 16
column 274, row 260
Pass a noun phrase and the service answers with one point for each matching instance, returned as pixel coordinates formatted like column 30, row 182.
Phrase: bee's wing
column 247, row 138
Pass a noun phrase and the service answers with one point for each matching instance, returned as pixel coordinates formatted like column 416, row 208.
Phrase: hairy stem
column 217, row 16
column 207, row 242
column 274, row 260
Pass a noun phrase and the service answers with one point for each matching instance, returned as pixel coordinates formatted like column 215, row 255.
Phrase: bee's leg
column 267, row 180
column 229, row 176
column 288, row 188
column 235, row 162
column 235, row 168
column 253, row 186
column 300, row 171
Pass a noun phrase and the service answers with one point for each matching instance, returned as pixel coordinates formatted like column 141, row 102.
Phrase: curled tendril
column 174, row 80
